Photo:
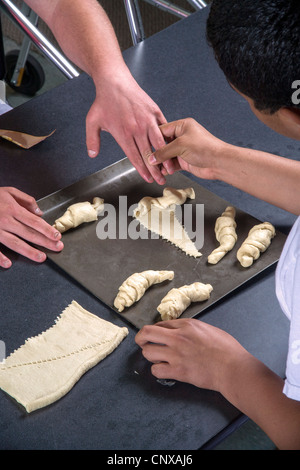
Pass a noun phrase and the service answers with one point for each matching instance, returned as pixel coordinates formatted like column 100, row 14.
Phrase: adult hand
column 122, row 108
column 191, row 351
column 191, row 148
column 20, row 222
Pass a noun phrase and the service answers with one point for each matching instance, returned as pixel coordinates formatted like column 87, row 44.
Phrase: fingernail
column 59, row 245
column 6, row 263
column 152, row 159
column 38, row 211
column 92, row 153
column 57, row 234
column 41, row 257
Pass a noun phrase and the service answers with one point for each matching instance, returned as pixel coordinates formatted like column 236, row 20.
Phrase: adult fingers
column 4, row 261
column 155, row 171
column 157, row 141
column 93, row 130
column 168, row 152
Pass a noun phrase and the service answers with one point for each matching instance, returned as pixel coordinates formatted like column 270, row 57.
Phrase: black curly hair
column 257, row 46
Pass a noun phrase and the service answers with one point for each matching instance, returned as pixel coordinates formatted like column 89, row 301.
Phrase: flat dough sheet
column 47, row 366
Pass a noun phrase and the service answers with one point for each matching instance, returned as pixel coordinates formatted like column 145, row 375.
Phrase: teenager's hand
column 191, row 147
column 191, row 351
column 21, row 222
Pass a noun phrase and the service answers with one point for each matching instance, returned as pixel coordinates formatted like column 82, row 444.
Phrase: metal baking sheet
column 101, row 265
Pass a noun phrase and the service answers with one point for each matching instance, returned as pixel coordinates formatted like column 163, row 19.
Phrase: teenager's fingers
column 26, row 201
column 151, row 334
column 157, row 141
column 169, row 151
column 21, row 247
column 39, row 225
column 162, row 370
column 144, row 149
column 27, row 214
column 155, row 352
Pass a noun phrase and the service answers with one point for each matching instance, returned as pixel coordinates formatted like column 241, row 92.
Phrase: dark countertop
column 118, row 404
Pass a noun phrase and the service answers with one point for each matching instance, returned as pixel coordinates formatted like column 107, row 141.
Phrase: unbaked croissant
column 178, row 300
column 225, row 234
column 79, row 213
column 170, row 198
column 258, row 240
column 135, row 286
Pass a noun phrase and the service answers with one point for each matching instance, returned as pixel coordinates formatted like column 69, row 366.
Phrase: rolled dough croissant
column 225, row 234
column 157, row 214
column 178, row 300
column 258, row 240
column 135, row 286
column 79, row 213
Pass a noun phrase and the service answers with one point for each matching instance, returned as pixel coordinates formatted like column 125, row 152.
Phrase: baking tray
column 101, row 265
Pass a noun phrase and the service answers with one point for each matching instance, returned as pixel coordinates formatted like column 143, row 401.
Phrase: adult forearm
column 84, row 33
column 266, row 176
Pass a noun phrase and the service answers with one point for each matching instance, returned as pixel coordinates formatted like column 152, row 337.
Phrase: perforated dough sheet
column 47, row 366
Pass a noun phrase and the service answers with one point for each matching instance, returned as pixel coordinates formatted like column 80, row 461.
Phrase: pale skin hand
column 20, row 222
column 121, row 107
column 192, row 351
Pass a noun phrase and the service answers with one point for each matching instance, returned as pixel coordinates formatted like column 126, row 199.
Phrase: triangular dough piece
column 47, row 366
column 158, row 216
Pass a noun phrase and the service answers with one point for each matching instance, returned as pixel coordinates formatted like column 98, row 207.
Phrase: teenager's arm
column 268, row 177
column 192, row 351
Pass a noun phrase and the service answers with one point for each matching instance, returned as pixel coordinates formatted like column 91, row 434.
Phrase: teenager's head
column 257, row 45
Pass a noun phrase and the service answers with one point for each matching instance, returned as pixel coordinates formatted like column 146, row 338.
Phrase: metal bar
column 135, row 21
column 17, row 76
column 40, row 41
column 169, row 7
column 198, row 4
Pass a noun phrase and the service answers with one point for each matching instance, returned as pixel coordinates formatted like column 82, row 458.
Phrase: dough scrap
column 135, row 286
column 258, row 240
column 158, row 216
column 225, row 234
column 47, row 366
column 178, row 300
column 79, row 213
